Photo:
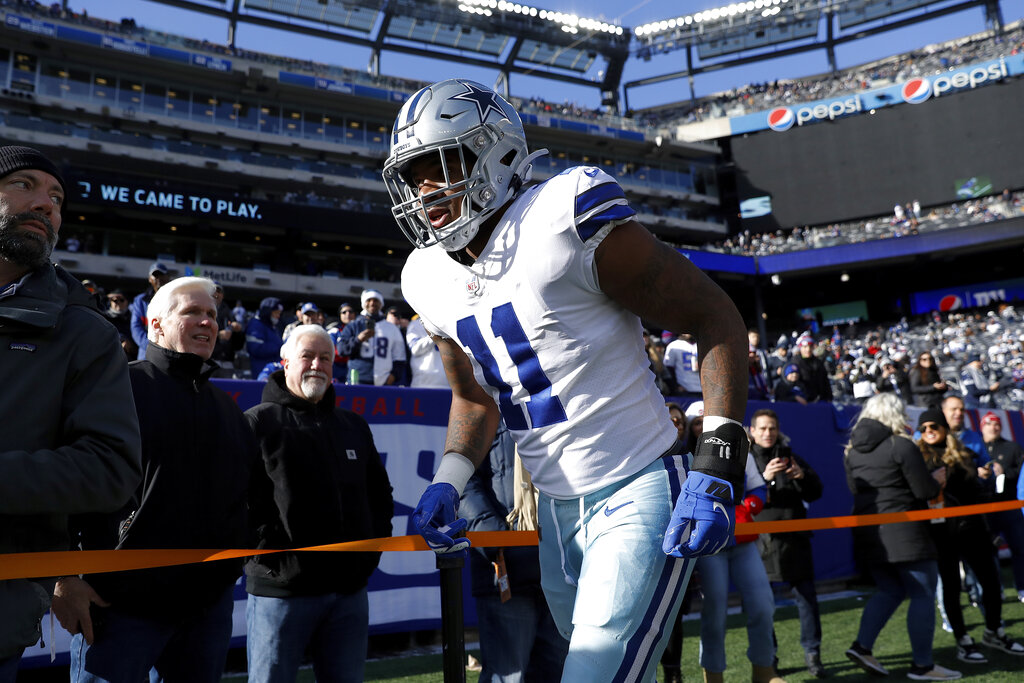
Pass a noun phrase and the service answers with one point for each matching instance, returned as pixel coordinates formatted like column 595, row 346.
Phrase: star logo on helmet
column 486, row 101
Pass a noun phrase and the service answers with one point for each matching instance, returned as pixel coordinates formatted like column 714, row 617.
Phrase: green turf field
column 839, row 618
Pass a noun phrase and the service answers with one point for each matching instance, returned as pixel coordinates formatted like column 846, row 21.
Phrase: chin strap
column 523, row 172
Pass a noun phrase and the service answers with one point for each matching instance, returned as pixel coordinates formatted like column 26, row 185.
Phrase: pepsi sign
column 782, row 119
column 917, row 90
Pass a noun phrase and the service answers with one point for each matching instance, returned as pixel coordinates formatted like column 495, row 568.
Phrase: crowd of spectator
column 904, row 223
column 927, row 61
column 977, row 355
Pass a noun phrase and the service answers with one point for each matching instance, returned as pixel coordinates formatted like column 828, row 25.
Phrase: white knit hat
column 371, row 294
column 695, row 409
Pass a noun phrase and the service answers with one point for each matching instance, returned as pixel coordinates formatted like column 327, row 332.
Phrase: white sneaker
column 967, row 651
column 862, row 657
column 1000, row 641
column 936, row 673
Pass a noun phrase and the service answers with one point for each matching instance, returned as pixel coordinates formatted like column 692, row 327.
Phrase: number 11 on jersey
column 544, row 407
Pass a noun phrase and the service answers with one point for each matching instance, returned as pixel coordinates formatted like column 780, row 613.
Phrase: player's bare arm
column 473, row 419
column 649, row 278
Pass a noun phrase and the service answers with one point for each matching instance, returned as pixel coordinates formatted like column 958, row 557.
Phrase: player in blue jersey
column 533, row 295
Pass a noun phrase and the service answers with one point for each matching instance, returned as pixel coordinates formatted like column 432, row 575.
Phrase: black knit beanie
column 14, row 158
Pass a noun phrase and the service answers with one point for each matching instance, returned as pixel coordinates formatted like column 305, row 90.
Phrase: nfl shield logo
column 473, row 285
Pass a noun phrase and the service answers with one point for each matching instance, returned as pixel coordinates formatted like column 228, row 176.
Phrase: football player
column 534, row 295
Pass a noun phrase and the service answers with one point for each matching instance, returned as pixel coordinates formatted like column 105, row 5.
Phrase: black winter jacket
column 1009, row 455
column 197, row 452
column 69, row 438
column 787, row 557
column 321, row 481
column 886, row 473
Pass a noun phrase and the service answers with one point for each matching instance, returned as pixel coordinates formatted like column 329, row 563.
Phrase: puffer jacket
column 886, row 473
column 70, row 437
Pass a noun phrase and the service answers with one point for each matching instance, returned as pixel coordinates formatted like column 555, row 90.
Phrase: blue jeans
column 9, row 669
column 895, row 582
column 126, row 648
column 806, row 598
column 1010, row 524
column 610, row 588
column 333, row 626
column 741, row 563
column 519, row 640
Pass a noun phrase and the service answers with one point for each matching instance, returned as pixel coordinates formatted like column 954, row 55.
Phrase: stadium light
column 776, row 279
column 767, row 9
column 845, row 277
column 570, row 23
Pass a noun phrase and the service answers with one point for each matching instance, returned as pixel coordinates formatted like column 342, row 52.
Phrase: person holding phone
column 792, row 482
column 375, row 347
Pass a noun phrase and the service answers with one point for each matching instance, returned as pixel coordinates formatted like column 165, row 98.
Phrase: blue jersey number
column 544, row 407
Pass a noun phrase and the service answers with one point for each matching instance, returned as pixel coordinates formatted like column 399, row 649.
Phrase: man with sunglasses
column 346, row 314
column 120, row 316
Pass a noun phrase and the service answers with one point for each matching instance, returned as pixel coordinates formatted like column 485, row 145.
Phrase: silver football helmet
column 478, row 129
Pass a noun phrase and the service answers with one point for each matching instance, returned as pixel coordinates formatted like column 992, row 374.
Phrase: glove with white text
column 436, row 519
column 704, row 517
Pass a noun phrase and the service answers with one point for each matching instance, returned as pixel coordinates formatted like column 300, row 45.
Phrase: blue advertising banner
column 409, row 428
column 913, row 91
column 969, row 296
column 725, row 263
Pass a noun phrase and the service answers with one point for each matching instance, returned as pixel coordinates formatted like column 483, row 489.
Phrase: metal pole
column 453, row 636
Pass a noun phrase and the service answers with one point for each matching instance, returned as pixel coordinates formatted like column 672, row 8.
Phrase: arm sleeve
column 347, row 342
column 418, row 339
column 382, row 502
column 97, row 466
column 263, row 512
column 138, row 324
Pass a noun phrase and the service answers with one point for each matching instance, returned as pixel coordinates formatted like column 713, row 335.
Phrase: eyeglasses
column 930, row 427
column 347, row 311
column 116, row 299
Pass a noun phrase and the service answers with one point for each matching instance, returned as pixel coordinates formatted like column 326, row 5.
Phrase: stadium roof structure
column 761, row 27
column 510, row 37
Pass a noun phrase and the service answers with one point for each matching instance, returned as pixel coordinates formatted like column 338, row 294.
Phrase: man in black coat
column 813, row 376
column 69, row 438
column 1007, row 459
column 321, row 481
column 197, row 450
column 792, row 482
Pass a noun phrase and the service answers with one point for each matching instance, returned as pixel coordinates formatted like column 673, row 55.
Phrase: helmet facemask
column 472, row 174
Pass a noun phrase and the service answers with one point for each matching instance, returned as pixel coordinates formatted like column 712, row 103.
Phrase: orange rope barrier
column 64, row 563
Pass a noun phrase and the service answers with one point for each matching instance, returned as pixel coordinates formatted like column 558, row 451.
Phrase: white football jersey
column 681, row 358
column 564, row 363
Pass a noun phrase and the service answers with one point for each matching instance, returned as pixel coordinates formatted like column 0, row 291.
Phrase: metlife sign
column 913, row 91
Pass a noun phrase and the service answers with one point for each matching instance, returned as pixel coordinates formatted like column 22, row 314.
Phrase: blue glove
column 436, row 519
column 704, row 518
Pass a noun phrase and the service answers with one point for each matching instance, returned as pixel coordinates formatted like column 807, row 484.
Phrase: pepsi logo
column 781, row 119
column 950, row 302
column 916, row 90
